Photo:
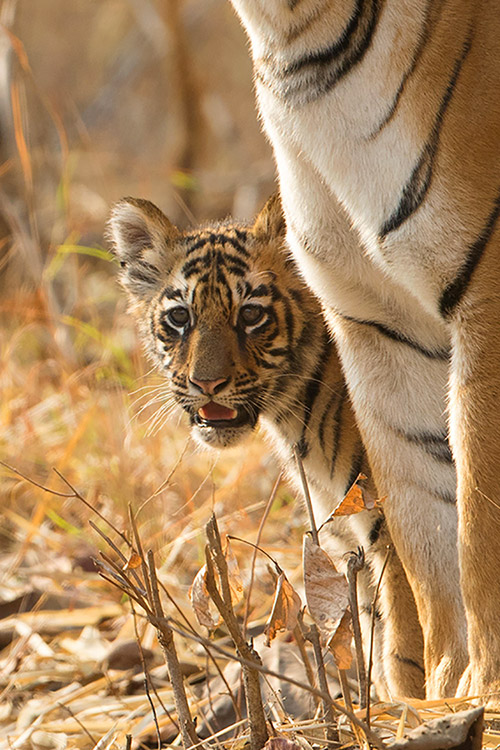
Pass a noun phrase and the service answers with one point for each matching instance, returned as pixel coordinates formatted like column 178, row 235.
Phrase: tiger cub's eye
column 178, row 316
column 250, row 315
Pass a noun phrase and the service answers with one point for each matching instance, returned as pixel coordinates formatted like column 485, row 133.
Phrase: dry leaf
column 233, row 574
column 286, row 607
column 203, row 607
column 134, row 561
column 340, row 642
column 355, row 501
column 327, row 590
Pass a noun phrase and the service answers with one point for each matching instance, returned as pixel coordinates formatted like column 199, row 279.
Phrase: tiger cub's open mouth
column 216, row 415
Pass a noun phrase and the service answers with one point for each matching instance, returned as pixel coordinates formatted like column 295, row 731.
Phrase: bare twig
column 149, row 682
column 307, row 495
column 257, row 543
column 80, row 497
column 328, row 714
column 300, row 640
column 207, row 651
column 372, row 634
column 215, row 556
column 355, row 563
column 166, row 641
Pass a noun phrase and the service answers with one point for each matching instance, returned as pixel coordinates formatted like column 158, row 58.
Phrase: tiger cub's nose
column 210, row 387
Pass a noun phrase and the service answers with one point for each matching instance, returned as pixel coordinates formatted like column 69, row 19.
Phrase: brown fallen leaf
column 327, row 590
column 356, row 500
column 340, row 642
column 204, row 609
column 134, row 561
column 285, row 609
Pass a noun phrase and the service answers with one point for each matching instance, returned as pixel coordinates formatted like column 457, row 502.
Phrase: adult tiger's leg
column 475, row 432
column 399, row 396
column 396, row 365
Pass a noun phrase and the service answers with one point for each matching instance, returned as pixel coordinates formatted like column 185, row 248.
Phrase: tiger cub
column 224, row 315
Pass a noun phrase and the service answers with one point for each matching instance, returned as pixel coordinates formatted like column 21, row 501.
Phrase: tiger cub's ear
column 143, row 240
column 270, row 223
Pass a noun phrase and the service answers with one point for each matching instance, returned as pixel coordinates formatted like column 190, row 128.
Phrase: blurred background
column 101, row 99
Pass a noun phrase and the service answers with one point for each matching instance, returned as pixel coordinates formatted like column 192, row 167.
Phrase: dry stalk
column 166, row 641
column 355, row 563
column 222, row 600
column 307, row 495
column 300, row 640
column 263, row 520
column 328, row 715
column 372, row 633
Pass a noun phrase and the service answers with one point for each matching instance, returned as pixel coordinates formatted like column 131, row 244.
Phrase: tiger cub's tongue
column 214, row 412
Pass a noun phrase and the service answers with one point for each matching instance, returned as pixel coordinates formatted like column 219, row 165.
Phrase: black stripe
column 356, row 466
column 170, row 293
column 314, row 385
column 326, row 412
column 337, row 421
column 220, row 239
column 456, row 290
column 315, row 73
column 334, row 51
column 260, row 291
column 282, row 351
column 430, row 22
column 417, row 186
column 410, row 662
column 376, row 530
column 242, row 235
column 440, row 354
column 237, row 270
column 435, row 445
column 145, row 273
column 447, row 497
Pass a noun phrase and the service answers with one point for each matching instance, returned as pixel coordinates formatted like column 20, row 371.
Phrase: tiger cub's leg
column 475, row 432
column 401, row 647
column 398, row 664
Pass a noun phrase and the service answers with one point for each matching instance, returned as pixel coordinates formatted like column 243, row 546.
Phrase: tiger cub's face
column 220, row 311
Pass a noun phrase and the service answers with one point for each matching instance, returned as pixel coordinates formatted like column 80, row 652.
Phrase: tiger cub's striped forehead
column 219, row 270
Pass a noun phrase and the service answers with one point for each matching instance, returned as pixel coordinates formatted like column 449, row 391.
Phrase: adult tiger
column 240, row 338
column 384, row 116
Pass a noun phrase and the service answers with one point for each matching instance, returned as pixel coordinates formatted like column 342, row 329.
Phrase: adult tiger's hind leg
column 475, row 432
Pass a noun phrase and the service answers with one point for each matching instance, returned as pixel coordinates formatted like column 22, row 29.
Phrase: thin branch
column 147, row 678
column 80, row 497
column 307, row 495
column 355, row 563
column 166, row 641
column 263, row 520
column 313, row 637
column 372, row 635
column 253, row 697
column 36, row 484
